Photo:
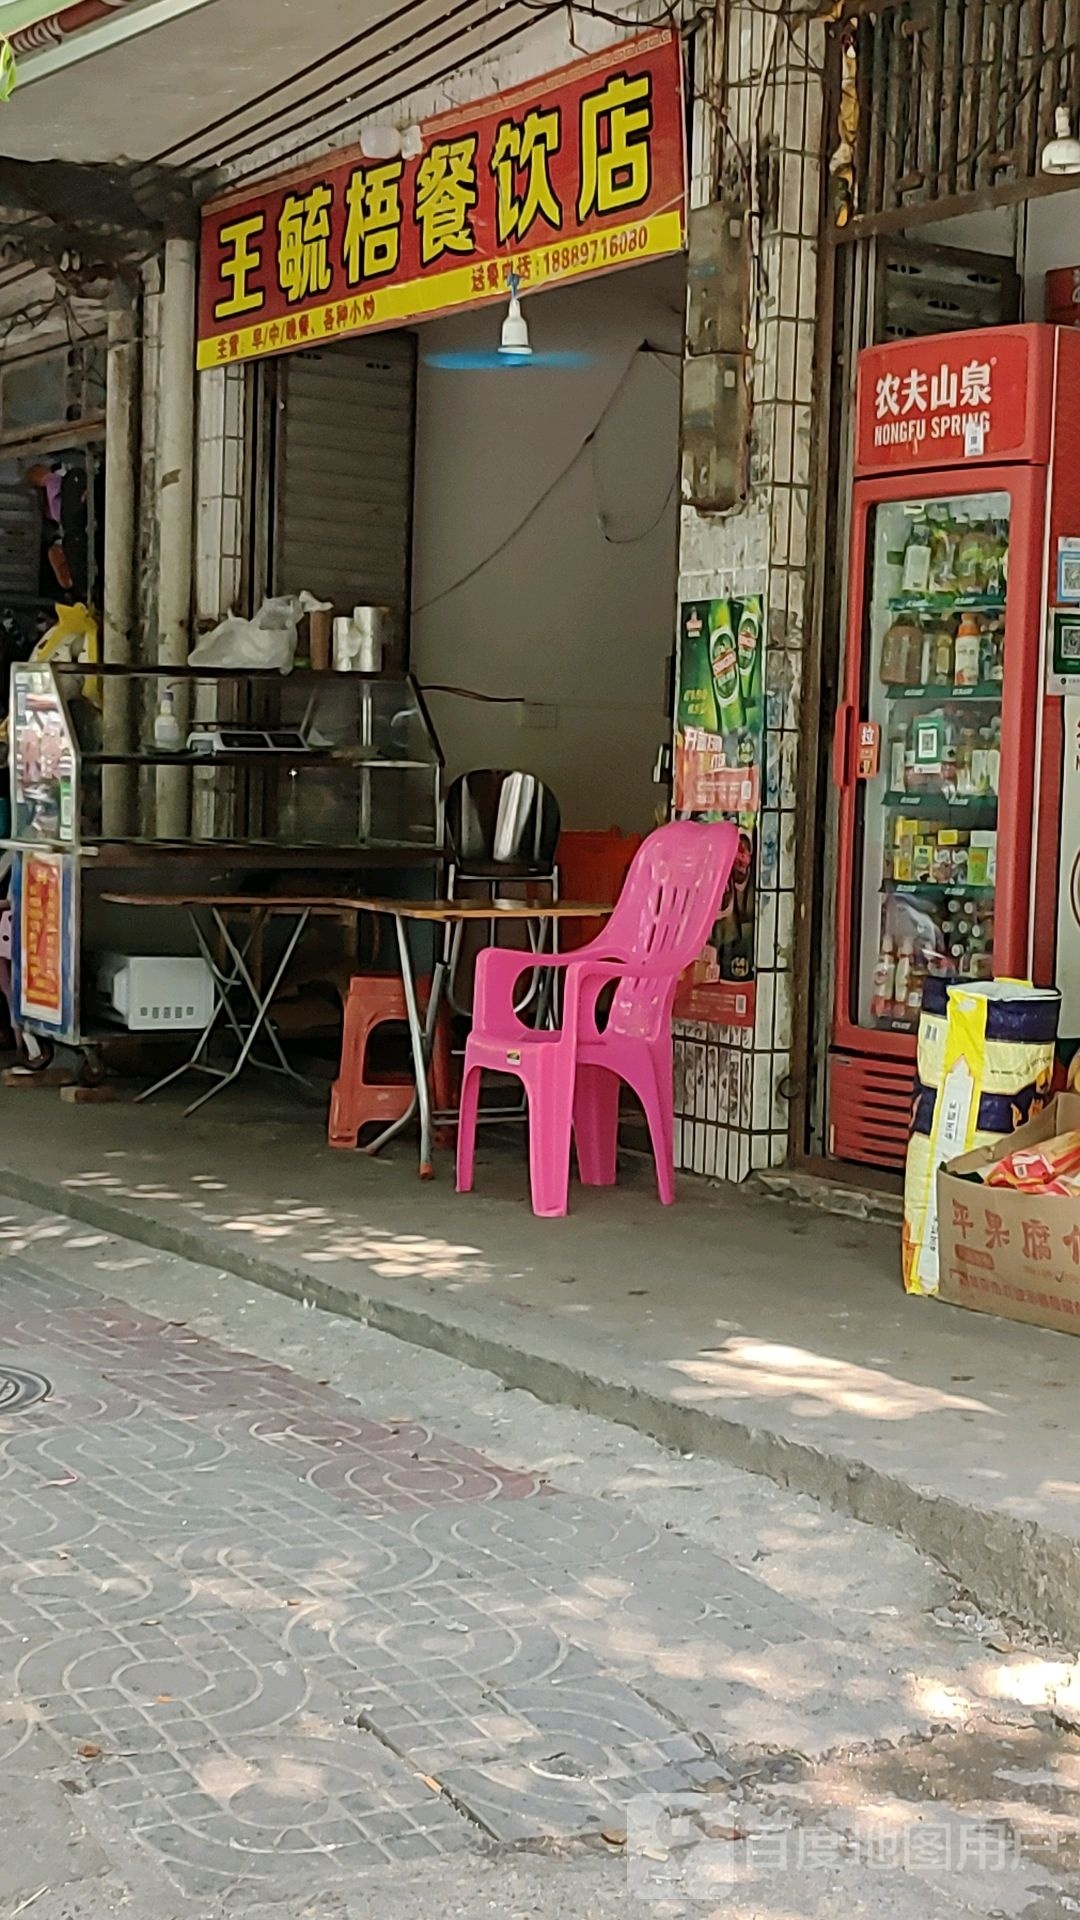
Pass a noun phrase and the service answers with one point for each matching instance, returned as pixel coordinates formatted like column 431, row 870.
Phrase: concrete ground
column 734, row 1325
column 297, row 1619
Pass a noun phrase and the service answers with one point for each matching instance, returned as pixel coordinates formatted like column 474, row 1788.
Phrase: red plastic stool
column 356, row 1101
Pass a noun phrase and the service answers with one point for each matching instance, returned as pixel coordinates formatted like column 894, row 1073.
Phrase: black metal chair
column 502, row 826
column 502, row 829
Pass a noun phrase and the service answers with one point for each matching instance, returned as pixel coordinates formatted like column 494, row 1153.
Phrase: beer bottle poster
column 719, row 747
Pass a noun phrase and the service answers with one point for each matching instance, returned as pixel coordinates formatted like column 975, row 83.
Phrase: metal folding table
column 240, row 1001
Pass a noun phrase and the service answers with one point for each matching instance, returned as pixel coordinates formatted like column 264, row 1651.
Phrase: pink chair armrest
column 498, row 970
column 586, row 980
column 588, row 971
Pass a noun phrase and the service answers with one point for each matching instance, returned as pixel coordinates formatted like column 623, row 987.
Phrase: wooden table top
column 441, row 911
column 445, row 911
column 268, row 903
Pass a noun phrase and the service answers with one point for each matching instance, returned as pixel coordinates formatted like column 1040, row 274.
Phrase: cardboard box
column 1013, row 1254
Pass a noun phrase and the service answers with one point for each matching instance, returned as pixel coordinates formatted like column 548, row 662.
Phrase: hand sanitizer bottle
column 166, row 724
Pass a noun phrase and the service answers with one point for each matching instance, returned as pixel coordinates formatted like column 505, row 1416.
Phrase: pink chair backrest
column 665, row 913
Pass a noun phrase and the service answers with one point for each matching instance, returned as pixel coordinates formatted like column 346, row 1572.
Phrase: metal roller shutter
column 20, row 537
column 345, row 474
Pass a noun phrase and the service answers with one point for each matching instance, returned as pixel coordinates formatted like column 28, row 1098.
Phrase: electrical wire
column 635, row 539
column 509, row 538
column 669, row 11
column 28, row 271
column 295, row 79
column 264, row 126
column 1010, row 107
column 470, row 693
column 632, row 539
column 34, row 313
column 227, row 152
column 793, row 20
column 359, row 105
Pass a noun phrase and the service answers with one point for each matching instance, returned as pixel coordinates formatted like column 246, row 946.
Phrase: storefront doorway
column 519, row 520
column 544, row 561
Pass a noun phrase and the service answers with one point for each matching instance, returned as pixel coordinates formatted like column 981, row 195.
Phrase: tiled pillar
column 731, row 1085
column 219, row 481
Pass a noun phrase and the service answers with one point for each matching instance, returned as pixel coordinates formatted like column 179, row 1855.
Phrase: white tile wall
column 773, row 104
column 219, row 488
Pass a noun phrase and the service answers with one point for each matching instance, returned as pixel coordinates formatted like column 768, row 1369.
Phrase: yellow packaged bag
column 985, row 1063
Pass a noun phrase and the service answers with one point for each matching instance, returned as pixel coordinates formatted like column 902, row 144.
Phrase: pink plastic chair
column 572, row 1075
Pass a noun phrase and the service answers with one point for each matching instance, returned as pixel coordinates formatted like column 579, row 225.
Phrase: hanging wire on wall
column 563, row 474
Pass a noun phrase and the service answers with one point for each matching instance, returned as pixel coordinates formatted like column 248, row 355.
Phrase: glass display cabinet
column 182, row 777
column 343, row 760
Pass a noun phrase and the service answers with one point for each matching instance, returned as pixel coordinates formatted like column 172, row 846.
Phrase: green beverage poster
column 719, row 748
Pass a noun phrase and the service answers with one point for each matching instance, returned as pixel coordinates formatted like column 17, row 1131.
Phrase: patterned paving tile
column 150, row 1367
column 279, row 1631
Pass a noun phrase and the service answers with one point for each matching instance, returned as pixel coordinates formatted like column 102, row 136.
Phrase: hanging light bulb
column 1062, row 153
column 379, row 140
column 515, row 328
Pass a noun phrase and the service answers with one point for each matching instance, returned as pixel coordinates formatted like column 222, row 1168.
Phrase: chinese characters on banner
column 719, row 734
column 568, row 176
column 41, row 938
column 942, row 401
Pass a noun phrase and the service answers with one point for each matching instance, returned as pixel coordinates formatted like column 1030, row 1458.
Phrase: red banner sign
column 945, row 400
column 568, row 176
column 41, row 936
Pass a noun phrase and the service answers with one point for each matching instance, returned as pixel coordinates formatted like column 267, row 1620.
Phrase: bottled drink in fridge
column 917, row 557
column 968, row 655
column 881, row 1005
column 915, row 982
column 902, row 980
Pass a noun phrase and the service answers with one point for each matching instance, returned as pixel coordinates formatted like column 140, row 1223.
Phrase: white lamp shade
column 515, row 330
column 1062, row 153
column 379, row 141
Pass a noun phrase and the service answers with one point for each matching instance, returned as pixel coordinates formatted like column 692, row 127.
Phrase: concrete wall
column 1049, row 237
column 544, row 561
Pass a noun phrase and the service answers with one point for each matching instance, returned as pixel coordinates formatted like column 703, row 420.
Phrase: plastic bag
column 1051, row 1168
column 267, row 641
column 73, row 636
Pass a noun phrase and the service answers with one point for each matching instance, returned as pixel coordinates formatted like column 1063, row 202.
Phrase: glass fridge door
column 928, row 822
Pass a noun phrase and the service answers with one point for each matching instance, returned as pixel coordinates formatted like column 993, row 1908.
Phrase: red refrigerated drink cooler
column 948, row 751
